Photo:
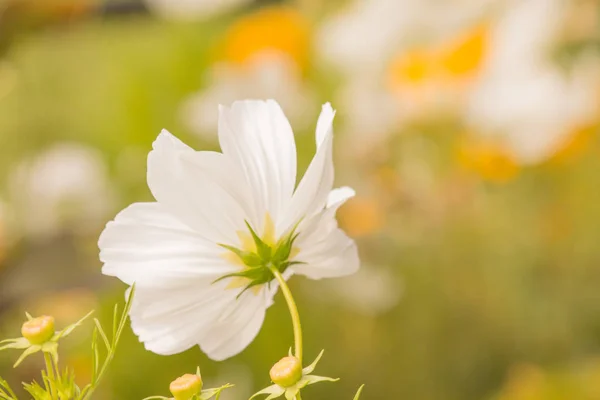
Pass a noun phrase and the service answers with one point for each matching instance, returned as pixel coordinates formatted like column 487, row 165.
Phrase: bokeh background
column 470, row 129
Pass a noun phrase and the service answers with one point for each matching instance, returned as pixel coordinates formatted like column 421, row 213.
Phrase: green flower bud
column 286, row 372
column 38, row 330
column 185, row 387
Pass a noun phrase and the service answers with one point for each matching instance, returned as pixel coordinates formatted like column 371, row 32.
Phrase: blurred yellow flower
column 525, row 382
column 362, row 216
column 274, row 29
column 456, row 58
column 576, row 144
column 490, row 161
column 463, row 56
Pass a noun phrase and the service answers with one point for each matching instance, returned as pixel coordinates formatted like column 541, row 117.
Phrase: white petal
column 197, row 188
column 237, row 327
column 169, row 321
column 148, row 245
column 311, row 195
column 257, row 136
column 334, row 256
column 338, row 196
column 325, row 250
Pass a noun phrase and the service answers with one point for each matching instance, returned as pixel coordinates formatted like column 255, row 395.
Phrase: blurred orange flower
column 278, row 29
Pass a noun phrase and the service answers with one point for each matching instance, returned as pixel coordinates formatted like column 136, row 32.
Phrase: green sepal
column 28, row 351
column 208, row 393
column 273, row 391
column 248, row 258
column 249, row 286
column 261, row 275
column 18, row 343
column 309, row 369
column 263, row 249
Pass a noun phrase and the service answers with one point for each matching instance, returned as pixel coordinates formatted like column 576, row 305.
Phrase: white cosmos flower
column 523, row 99
column 172, row 249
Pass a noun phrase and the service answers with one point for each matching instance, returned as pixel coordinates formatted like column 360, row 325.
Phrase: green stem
column 293, row 312
column 50, row 370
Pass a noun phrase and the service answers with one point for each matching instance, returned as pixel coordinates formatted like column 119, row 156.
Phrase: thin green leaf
column 114, row 323
column 124, row 315
column 29, row 317
column 4, row 384
column 102, row 334
column 69, row 329
column 358, row 393
column 95, row 356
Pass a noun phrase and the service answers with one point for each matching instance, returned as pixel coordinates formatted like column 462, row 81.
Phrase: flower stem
column 293, row 312
column 50, row 370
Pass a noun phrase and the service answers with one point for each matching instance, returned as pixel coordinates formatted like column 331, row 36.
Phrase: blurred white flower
column 192, row 9
column 371, row 291
column 524, row 100
column 65, row 187
column 268, row 74
column 226, row 215
column 403, row 59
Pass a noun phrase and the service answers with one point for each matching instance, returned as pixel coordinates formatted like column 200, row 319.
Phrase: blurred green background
column 468, row 128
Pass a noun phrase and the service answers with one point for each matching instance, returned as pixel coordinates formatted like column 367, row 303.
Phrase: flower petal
column 311, row 195
column 148, row 245
column 237, row 326
column 325, row 250
column 197, row 188
column 332, row 257
column 172, row 320
column 257, row 136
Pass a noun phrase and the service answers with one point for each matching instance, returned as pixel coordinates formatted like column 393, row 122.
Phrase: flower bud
column 186, row 386
column 286, row 372
column 38, row 330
